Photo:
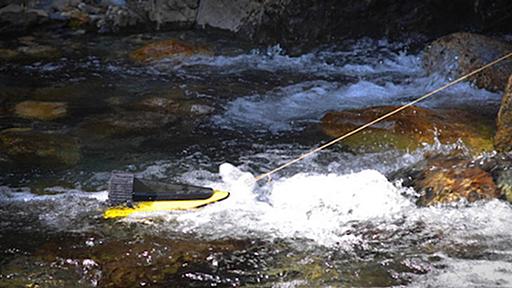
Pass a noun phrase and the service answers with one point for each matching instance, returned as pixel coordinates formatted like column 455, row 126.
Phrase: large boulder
column 24, row 147
column 503, row 139
column 166, row 48
column 235, row 16
column 457, row 54
column 409, row 129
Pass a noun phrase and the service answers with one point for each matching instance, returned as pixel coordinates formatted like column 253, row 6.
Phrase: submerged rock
column 166, row 48
column 408, row 129
column 126, row 124
column 503, row 139
column 446, row 182
column 151, row 261
column 41, row 110
column 39, row 51
column 26, row 147
column 460, row 53
column 8, row 54
column 442, row 179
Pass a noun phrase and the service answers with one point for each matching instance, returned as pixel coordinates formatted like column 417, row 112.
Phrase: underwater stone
column 166, row 48
column 48, row 149
column 41, row 110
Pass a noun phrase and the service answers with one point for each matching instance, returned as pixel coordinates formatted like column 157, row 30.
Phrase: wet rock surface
column 503, row 138
column 408, row 129
column 460, row 53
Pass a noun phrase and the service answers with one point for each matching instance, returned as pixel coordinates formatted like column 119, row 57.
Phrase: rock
column 178, row 107
column 25, row 147
column 157, row 104
column 126, row 124
column 460, row 53
column 165, row 48
column 16, row 18
column 8, row 54
column 201, row 109
column 451, row 180
column 503, row 139
column 307, row 22
column 180, row 13
column 409, row 129
column 41, row 110
column 169, row 15
column 118, row 17
column 39, row 51
column 504, row 183
column 231, row 15
column 155, row 261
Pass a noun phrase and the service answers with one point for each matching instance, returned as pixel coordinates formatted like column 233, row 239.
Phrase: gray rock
column 457, row 54
column 167, row 12
column 14, row 18
column 229, row 14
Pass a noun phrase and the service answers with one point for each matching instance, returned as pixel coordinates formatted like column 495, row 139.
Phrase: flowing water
column 332, row 220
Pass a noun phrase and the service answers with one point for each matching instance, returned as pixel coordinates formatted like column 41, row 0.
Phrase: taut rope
column 389, row 114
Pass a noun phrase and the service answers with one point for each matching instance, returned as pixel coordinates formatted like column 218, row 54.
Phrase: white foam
column 315, row 207
column 289, row 107
column 470, row 273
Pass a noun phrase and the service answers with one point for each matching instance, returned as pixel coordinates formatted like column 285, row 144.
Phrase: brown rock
column 503, row 139
column 41, row 110
column 409, row 128
column 461, row 53
column 165, row 48
column 445, row 181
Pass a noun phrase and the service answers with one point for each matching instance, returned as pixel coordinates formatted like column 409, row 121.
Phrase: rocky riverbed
column 421, row 199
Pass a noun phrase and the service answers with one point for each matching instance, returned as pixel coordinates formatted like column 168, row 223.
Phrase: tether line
column 387, row 115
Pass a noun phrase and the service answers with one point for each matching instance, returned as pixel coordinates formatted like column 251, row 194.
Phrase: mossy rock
column 409, row 129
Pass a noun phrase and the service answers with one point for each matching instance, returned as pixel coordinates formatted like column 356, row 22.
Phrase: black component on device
column 124, row 188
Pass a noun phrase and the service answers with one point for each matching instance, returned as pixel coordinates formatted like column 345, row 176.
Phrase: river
column 332, row 220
